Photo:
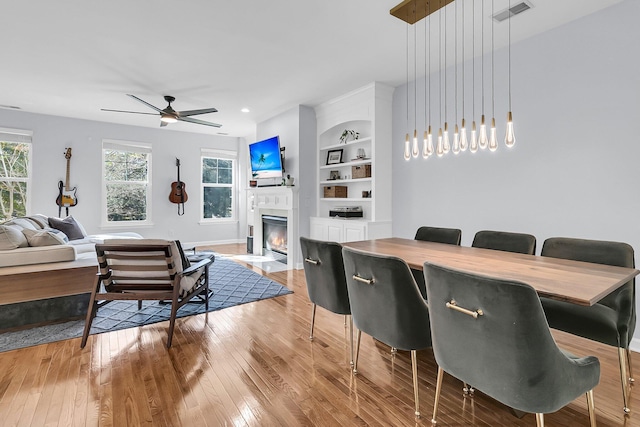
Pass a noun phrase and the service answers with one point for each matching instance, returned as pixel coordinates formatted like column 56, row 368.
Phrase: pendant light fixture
column 483, row 140
column 439, row 146
column 463, row 129
column 407, row 144
column 427, row 144
column 415, row 150
column 445, row 136
column 473, row 144
column 493, row 138
column 456, row 131
column 510, row 137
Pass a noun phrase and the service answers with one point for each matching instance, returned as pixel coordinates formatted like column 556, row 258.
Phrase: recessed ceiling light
column 245, row 110
column 223, row 133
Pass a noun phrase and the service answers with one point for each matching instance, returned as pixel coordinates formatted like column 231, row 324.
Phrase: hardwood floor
column 254, row 365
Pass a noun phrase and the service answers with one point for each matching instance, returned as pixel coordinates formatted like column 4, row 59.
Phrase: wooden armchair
column 146, row 269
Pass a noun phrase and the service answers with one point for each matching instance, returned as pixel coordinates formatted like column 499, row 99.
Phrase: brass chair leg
column 540, row 420
column 414, row 368
column 631, row 380
column 622, row 358
column 592, row 408
column 467, row 389
column 313, row 319
column 355, row 360
column 394, row 350
column 437, row 398
column 351, row 339
column 345, row 320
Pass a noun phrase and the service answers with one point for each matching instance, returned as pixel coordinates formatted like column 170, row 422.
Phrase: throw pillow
column 42, row 238
column 22, row 222
column 11, row 237
column 68, row 226
column 41, row 220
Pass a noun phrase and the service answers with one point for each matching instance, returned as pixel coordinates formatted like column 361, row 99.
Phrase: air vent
column 10, row 107
column 512, row 11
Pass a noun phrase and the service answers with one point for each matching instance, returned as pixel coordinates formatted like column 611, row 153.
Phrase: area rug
column 231, row 283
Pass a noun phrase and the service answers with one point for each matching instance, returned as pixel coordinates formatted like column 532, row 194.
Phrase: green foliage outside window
column 217, row 182
column 126, row 175
column 14, row 169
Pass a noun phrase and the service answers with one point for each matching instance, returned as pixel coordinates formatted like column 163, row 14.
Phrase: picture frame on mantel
column 334, row 157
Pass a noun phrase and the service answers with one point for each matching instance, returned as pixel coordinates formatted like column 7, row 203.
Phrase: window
column 15, row 172
column 126, row 182
column 218, row 190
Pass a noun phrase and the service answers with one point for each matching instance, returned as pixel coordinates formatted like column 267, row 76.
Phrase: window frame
column 224, row 155
column 22, row 137
column 132, row 147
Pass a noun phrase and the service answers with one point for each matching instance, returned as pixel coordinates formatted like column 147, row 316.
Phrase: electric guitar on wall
column 67, row 196
column 178, row 193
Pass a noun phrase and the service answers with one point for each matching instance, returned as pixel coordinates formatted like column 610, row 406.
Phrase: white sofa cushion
column 44, row 237
column 37, row 255
column 11, row 237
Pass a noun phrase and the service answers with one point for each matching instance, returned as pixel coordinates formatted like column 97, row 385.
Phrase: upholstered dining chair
column 386, row 304
column 492, row 333
column 611, row 320
column 450, row 236
column 505, row 241
column 145, row 269
column 326, row 283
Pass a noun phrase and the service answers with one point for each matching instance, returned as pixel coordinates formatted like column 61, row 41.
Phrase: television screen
column 265, row 158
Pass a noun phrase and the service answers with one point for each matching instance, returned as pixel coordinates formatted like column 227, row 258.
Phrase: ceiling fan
column 169, row 115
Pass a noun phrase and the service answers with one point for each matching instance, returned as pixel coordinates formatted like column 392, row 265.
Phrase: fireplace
column 274, row 237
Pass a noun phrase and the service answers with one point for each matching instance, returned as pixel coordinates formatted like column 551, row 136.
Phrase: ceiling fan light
column 168, row 118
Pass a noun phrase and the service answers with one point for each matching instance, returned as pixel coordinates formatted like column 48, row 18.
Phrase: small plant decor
column 348, row 134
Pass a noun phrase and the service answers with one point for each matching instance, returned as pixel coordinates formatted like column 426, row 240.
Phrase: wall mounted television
column 266, row 161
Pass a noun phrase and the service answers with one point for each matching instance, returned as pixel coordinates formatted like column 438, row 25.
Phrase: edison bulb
column 463, row 137
column 439, row 149
column 407, row 148
column 493, row 138
column 510, row 137
column 445, row 139
column 473, row 145
column 483, row 140
column 456, row 140
column 415, row 151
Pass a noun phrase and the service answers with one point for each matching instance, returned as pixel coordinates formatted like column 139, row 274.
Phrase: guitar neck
column 66, row 183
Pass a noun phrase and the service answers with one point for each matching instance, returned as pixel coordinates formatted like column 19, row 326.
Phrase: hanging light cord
column 493, row 102
column 509, row 52
column 473, row 74
column 482, row 52
column 455, row 55
column 407, row 77
column 425, row 62
column 445, row 65
column 463, row 60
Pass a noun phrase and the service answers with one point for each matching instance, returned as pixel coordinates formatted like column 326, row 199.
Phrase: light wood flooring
column 254, row 365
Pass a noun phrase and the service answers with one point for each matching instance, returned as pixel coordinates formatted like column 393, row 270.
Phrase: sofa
column 38, row 239
column 47, row 269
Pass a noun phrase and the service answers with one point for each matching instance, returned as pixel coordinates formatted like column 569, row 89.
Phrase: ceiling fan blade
column 199, row 122
column 123, row 111
column 145, row 103
column 162, row 124
column 195, row 112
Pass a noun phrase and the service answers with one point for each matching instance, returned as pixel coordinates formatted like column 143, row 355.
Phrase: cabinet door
column 353, row 232
column 318, row 231
column 335, row 233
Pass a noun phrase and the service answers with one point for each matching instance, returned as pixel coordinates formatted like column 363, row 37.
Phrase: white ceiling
column 73, row 57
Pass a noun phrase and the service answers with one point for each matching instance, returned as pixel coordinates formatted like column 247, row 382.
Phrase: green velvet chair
column 612, row 320
column 326, row 283
column 386, row 304
column 450, row 236
column 505, row 241
column 492, row 333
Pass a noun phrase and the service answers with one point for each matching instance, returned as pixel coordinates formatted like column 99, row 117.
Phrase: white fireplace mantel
column 277, row 201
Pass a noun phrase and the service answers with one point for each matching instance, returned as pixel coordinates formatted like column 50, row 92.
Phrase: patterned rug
column 231, row 283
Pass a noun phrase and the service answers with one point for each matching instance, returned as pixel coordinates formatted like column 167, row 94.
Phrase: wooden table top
column 566, row 280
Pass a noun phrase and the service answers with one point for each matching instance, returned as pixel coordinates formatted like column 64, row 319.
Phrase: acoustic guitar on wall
column 178, row 193
column 66, row 195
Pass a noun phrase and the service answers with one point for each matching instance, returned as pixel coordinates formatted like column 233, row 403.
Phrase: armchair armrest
column 195, row 267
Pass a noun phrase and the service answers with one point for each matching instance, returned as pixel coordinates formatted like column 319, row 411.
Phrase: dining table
column 577, row 282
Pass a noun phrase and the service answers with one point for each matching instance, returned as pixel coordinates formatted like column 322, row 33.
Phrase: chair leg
column 139, row 304
column 351, row 339
column 467, row 389
column 592, row 408
column 540, row 420
column 394, row 350
column 355, row 359
column 313, row 319
column 172, row 319
column 624, row 378
column 437, row 398
column 414, row 368
column 91, row 312
column 631, row 380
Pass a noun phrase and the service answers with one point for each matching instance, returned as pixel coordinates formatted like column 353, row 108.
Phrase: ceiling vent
column 512, row 11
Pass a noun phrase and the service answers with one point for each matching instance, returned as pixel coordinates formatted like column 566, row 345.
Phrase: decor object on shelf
column 335, row 191
column 333, row 175
column 361, row 171
column 344, row 138
column 361, row 154
column 288, row 181
column 334, row 157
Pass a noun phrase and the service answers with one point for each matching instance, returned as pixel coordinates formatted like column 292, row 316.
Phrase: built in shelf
column 353, row 142
column 346, row 199
column 351, row 163
column 344, row 181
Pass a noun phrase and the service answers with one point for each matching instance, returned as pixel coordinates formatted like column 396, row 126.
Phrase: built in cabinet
column 364, row 166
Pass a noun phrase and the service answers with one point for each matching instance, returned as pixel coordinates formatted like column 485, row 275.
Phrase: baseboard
column 635, row 345
column 212, row 242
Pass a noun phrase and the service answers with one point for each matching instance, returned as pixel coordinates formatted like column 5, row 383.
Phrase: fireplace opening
column 274, row 237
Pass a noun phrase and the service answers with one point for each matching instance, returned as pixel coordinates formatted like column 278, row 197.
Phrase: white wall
column 574, row 169
column 51, row 135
